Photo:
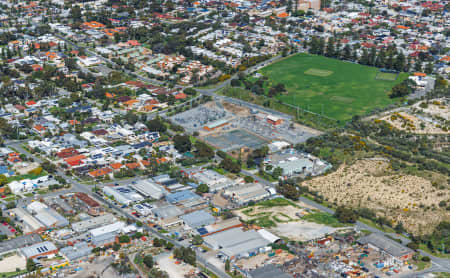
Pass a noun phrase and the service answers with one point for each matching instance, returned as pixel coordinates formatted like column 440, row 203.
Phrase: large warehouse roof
column 38, row 248
column 198, row 219
column 19, row 242
column 149, row 189
column 94, row 222
column 167, row 212
column 111, row 228
column 236, row 242
column 389, row 246
column 181, row 196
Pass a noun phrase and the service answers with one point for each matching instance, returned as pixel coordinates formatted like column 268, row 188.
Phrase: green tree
column 364, row 57
column 418, row 66
column 3, row 180
column 182, row 143
column 278, row 171
column 289, row 190
column 347, row 52
column 346, row 215
column 399, row 228
column 116, row 247
column 249, row 179
column 227, row 265
column 75, row 13
column 330, row 48
column 124, row 239
column 148, row 261
column 187, row 255
column 197, row 240
column 229, row 165
column 156, row 124
column 31, row 265
column 203, row 150
column 372, row 56
column 202, row 188
column 399, row 62
column 429, row 68
column 400, row 90
column 380, row 59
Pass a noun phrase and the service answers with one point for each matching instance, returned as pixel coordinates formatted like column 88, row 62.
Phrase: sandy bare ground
column 288, row 223
column 9, row 264
column 302, row 231
column 437, row 107
column 281, row 213
column 410, row 199
column 167, row 264
column 407, row 122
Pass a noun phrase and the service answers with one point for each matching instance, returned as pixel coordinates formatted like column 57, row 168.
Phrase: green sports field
column 341, row 89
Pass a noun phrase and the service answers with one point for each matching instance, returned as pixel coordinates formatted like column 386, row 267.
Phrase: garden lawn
column 343, row 88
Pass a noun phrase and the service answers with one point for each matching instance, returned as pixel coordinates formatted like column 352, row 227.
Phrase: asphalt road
column 438, row 264
column 78, row 187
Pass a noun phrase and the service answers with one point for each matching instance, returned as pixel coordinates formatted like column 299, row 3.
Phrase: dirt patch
column 410, row 199
column 407, row 122
column 236, row 109
column 9, row 264
column 437, row 107
column 277, row 214
column 168, row 264
column 303, row 231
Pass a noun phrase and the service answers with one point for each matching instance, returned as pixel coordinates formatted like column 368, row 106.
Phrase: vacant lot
column 343, row 88
column 9, row 264
column 437, row 108
column 282, row 217
column 168, row 264
column 269, row 213
column 413, row 200
column 413, row 124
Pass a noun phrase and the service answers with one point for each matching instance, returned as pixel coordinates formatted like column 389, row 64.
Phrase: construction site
column 229, row 127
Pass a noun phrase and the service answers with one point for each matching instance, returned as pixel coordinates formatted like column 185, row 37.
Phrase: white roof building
column 111, row 228
column 149, row 189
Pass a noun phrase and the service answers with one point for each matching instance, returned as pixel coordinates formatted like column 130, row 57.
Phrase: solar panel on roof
column 202, row 231
column 45, row 248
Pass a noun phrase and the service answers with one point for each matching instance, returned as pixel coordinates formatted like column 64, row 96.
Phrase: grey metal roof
column 38, row 248
column 235, row 242
column 19, row 242
column 104, row 238
column 198, row 219
column 389, row 246
column 51, row 218
column 167, row 212
column 79, row 250
column 149, row 189
column 94, row 222
column 268, row 271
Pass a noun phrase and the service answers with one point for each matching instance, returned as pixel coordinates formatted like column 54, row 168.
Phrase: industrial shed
column 122, row 194
column 83, row 226
column 198, row 219
column 149, row 189
column 77, row 251
column 393, row 248
column 236, row 243
column 37, row 250
column 177, row 197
